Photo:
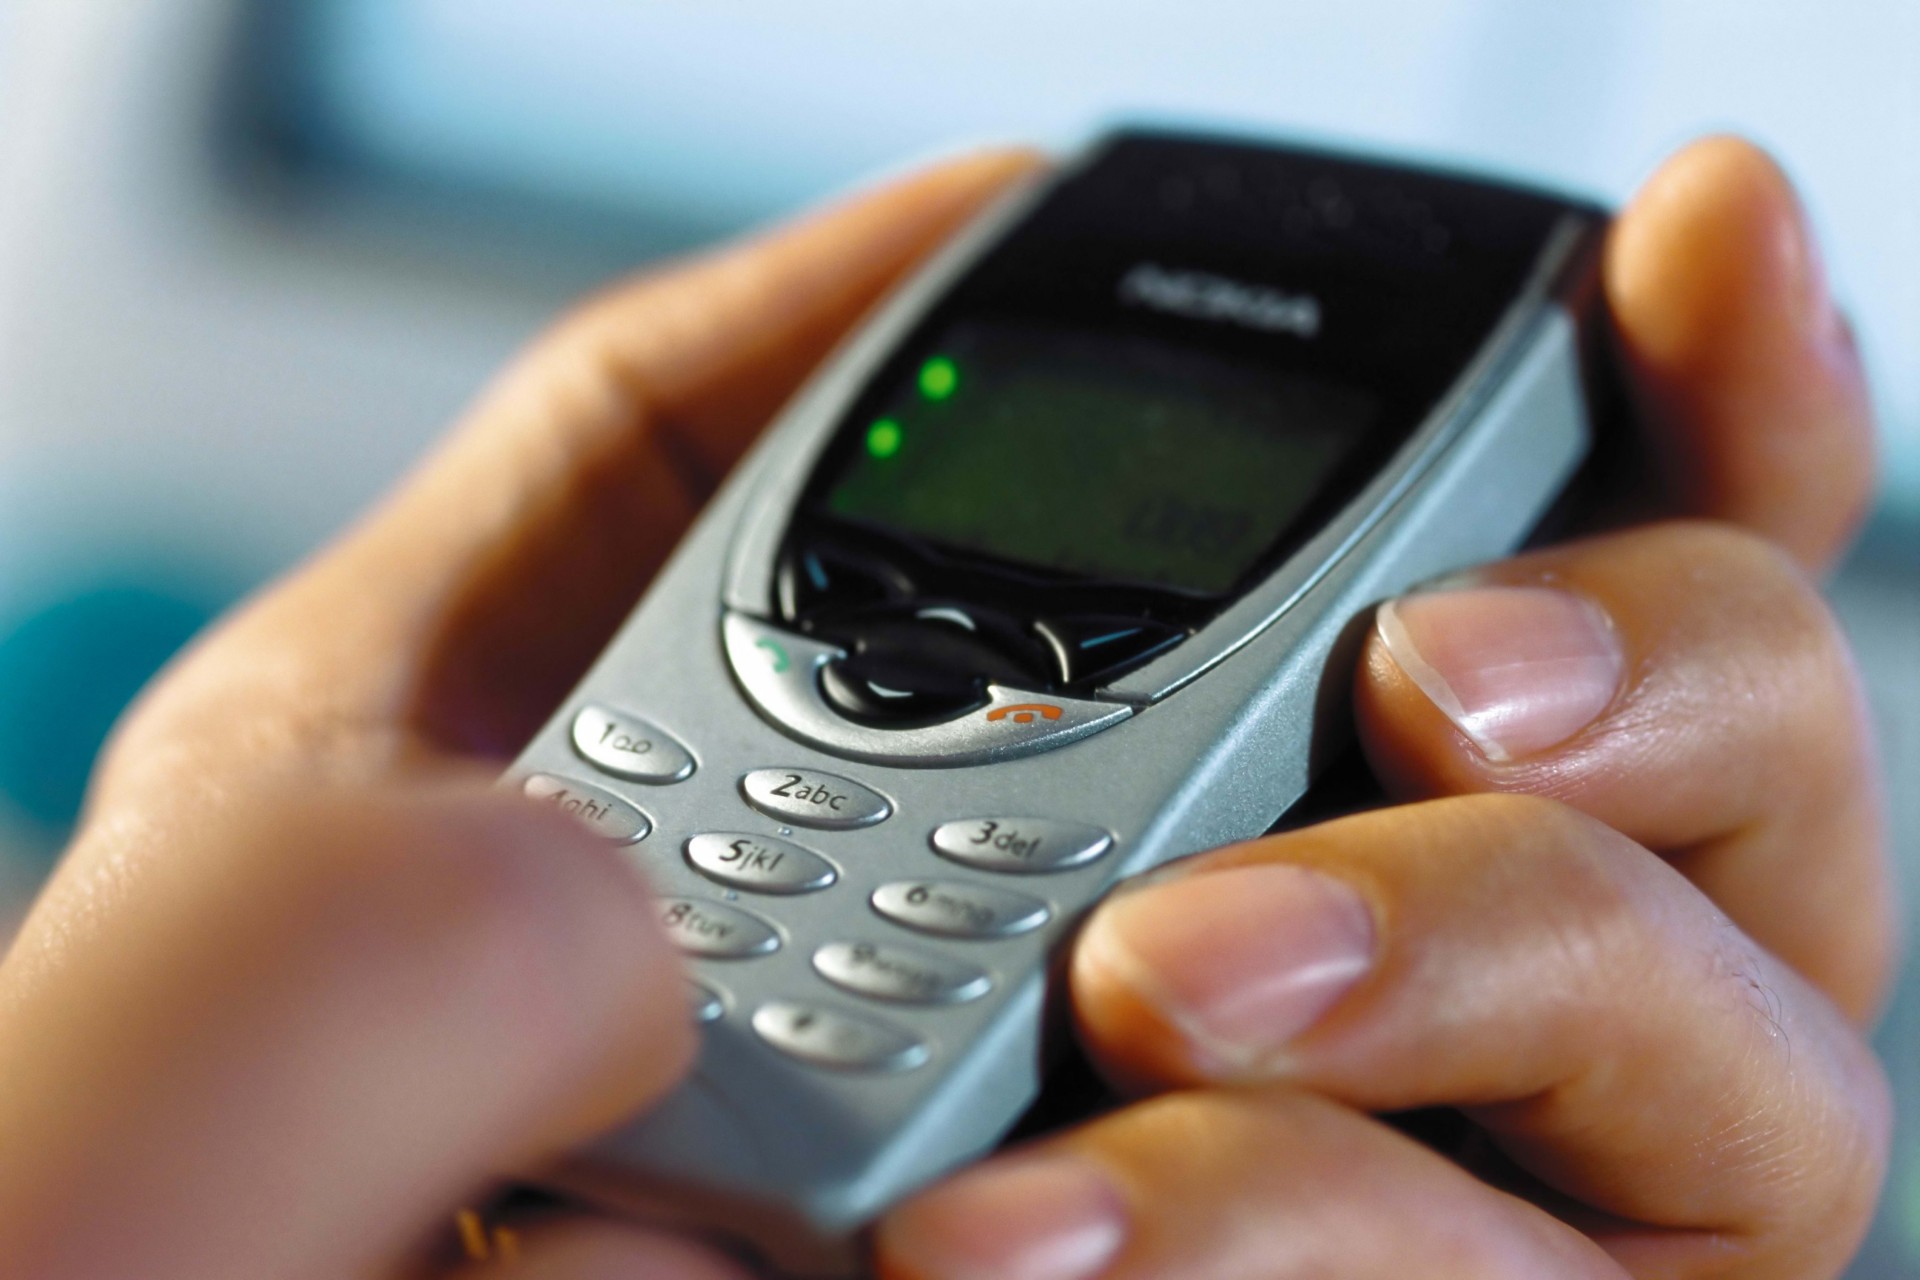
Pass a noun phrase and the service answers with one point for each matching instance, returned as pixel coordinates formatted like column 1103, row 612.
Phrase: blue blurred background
column 253, row 257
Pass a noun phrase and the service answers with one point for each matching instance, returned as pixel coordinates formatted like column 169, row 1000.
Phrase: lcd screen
column 1117, row 458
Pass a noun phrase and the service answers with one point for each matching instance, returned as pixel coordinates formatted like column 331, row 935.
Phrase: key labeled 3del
column 1027, row 845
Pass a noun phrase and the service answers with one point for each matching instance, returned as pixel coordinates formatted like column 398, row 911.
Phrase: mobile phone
column 1053, row 573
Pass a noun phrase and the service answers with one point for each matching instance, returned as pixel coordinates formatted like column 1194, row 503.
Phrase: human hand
column 294, row 995
column 1630, row 927
column 452, row 621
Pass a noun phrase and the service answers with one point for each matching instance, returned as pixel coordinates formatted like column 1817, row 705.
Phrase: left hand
column 1632, row 931
column 292, row 997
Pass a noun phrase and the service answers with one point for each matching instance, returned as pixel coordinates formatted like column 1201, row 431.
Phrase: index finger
column 1618, row 1038
column 458, row 614
column 594, row 454
column 1750, row 396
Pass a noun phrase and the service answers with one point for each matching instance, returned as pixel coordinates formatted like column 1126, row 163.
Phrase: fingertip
column 1054, row 1214
column 717, row 343
column 613, row 1002
column 1738, row 358
column 889, row 220
column 1448, row 682
column 1124, row 1030
column 519, row 939
column 1517, row 670
column 1716, row 235
column 982, row 165
column 1410, row 745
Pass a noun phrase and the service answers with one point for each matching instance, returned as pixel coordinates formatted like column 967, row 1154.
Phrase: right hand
column 1634, row 893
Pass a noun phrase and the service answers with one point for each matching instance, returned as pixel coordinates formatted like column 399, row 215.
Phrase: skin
column 302, row 987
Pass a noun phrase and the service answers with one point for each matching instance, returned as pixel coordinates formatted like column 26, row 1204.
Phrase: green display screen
column 1126, row 460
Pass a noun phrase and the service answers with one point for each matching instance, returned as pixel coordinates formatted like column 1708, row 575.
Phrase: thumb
column 320, row 1033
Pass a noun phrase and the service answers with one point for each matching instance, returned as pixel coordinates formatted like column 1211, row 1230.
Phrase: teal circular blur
column 68, row 666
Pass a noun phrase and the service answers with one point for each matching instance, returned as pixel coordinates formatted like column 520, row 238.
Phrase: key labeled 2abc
column 810, row 798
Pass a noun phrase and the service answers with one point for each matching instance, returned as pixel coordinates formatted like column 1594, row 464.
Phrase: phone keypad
column 759, row 864
column 810, row 798
column 1023, row 845
column 716, row 931
column 828, row 1037
column 900, row 974
column 958, row 909
column 709, row 929
column 600, row 810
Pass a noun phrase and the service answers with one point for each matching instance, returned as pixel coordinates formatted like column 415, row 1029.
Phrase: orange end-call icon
column 1025, row 712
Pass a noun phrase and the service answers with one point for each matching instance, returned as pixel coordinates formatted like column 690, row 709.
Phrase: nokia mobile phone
column 1054, row 572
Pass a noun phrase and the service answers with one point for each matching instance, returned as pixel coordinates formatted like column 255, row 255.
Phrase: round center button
column 877, row 693
column 1021, row 844
column 810, row 798
column 908, row 669
column 759, row 864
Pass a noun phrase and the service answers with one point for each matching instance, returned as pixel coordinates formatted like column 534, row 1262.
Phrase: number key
column 956, row 909
column 1027, row 845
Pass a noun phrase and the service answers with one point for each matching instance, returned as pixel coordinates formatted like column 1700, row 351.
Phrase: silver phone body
column 1206, row 745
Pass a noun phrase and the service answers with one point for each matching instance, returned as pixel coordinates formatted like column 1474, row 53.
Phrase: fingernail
column 1038, row 1217
column 1517, row 669
column 1239, row 961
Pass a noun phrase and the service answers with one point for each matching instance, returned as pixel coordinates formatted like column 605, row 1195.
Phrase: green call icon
column 776, row 651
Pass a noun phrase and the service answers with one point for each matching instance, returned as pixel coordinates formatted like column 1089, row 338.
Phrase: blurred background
column 253, row 257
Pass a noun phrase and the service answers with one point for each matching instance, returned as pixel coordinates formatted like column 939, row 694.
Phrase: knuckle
column 1737, row 976
column 1577, row 854
column 1854, row 1153
column 1750, row 582
column 1501, row 846
column 1745, row 646
column 1807, row 1107
column 1589, row 893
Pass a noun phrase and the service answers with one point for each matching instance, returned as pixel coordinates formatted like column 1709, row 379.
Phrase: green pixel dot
column 883, row 438
column 939, row 378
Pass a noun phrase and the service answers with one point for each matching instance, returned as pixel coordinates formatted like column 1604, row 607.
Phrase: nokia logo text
column 1200, row 296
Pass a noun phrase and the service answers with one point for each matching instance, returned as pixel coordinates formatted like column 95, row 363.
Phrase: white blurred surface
column 798, row 99
column 181, row 361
